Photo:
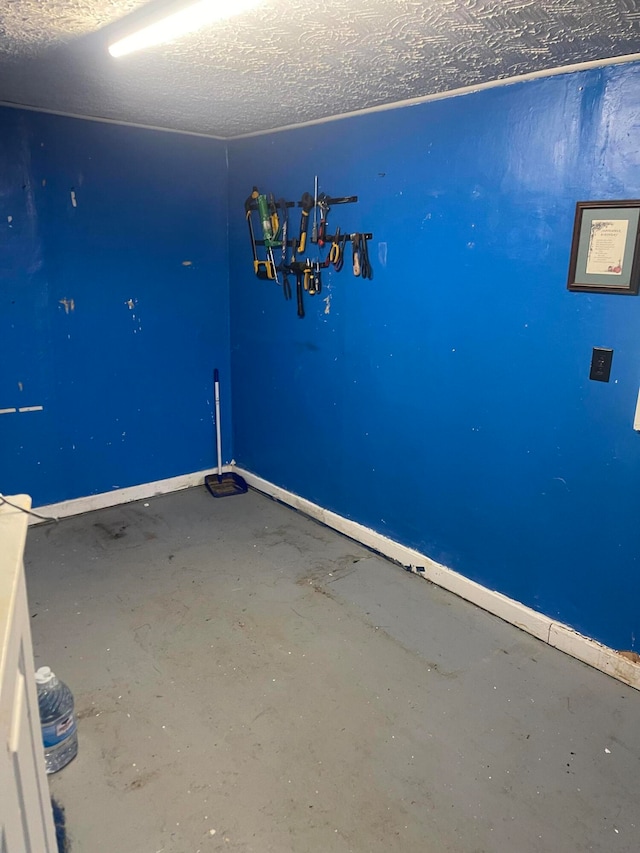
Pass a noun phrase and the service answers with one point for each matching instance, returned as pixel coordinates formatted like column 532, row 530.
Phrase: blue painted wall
column 124, row 377
column 447, row 403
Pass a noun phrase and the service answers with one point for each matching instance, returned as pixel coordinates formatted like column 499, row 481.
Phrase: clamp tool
column 263, row 269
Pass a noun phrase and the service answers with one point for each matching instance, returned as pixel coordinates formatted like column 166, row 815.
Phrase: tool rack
column 352, row 199
column 307, row 272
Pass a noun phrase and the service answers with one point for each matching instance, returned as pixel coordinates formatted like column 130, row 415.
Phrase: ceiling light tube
column 180, row 23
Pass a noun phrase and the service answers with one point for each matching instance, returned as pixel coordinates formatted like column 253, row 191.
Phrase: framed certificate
column 605, row 253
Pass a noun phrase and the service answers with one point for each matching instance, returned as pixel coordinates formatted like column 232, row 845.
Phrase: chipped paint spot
column 382, row 254
column 327, row 304
column 44, row 182
column 131, row 304
column 69, row 305
column 74, row 201
column 20, row 386
column 9, row 219
column 187, row 263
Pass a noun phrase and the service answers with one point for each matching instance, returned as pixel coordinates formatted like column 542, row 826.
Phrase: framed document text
column 605, row 253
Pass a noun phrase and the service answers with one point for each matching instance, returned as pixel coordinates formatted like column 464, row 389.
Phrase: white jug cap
column 44, row 675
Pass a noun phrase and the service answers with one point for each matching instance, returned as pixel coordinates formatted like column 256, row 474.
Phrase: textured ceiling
column 292, row 61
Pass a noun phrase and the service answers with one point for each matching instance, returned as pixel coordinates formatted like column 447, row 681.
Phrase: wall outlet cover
column 601, row 364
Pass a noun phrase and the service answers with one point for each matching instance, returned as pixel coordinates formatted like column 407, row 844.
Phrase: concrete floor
column 248, row 680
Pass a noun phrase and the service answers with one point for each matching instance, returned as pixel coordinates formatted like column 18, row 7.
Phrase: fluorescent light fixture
column 187, row 20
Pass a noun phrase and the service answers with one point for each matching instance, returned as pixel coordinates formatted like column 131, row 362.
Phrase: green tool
column 270, row 229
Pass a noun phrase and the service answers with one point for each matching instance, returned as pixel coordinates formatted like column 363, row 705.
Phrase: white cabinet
column 26, row 822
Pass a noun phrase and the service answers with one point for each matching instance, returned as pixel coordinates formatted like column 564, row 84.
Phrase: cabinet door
column 26, row 821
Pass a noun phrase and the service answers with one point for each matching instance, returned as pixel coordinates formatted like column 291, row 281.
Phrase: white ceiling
column 292, row 61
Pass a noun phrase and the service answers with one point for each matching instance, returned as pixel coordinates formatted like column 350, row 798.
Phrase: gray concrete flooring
column 248, row 680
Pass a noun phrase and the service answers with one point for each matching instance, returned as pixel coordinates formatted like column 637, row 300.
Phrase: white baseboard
column 123, row 496
column 554, row 633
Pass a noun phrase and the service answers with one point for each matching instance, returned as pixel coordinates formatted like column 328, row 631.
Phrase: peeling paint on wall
column 131, row 304
column 95, row 255
column 68, row 304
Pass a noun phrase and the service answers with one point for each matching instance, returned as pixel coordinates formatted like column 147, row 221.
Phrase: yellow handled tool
column 306, row 203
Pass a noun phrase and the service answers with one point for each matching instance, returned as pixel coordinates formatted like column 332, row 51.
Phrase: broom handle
column 216, row 389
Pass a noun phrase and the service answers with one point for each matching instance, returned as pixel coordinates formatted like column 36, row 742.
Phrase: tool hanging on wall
column 325, row 207
column 264, row 269
column 299, row 270
column 335, row 257
column 360, row 255
column 312, row 281
column 299, row 293
column 274, row 224
column 270, row 226
column 306, row 203
column 314, row 230
column 284, row 230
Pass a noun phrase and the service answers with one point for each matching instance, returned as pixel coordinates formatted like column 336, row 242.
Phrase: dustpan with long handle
column 222, row 485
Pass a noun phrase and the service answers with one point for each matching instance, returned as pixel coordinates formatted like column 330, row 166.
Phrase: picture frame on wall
column 605, row 252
